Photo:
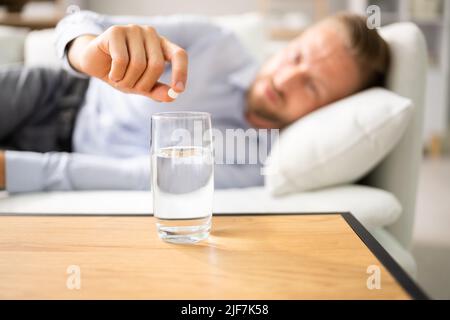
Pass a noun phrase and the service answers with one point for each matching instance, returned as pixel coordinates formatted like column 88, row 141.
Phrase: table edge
column 400, row 275
column 408, row 284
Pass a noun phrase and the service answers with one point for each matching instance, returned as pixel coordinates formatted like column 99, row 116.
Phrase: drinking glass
column 182, row 175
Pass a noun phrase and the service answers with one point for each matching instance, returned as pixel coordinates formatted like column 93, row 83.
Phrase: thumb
column 96, row 61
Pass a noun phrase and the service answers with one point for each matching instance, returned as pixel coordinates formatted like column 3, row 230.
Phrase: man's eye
column 295, row 58
column 311, row 86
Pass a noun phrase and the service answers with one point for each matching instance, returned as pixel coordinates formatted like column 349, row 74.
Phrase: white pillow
column 337, row 144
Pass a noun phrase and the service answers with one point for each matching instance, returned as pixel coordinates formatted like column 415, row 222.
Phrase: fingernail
column 171, row 93
column 112, row 79
column 179, row 86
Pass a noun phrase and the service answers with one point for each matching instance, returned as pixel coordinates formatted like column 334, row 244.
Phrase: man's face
column 314, row 70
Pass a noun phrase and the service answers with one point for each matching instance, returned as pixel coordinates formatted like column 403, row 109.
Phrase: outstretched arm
column 59, row 171
column 237, row 176
column 130, row 53
column 29, row 171
column 131, row 59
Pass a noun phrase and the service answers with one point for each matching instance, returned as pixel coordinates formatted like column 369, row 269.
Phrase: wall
column 157, row 7
column 206, row 7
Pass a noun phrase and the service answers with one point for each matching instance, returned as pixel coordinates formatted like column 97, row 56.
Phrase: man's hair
column 369, row 48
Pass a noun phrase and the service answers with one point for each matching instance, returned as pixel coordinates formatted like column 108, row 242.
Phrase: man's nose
column 288, row 77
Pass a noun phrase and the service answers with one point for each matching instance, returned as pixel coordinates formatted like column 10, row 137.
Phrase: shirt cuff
column 70, row 30
column 24, row 171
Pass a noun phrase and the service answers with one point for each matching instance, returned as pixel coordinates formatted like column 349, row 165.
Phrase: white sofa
column 384, row 202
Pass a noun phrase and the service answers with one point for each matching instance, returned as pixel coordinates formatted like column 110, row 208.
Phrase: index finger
column 179, row 60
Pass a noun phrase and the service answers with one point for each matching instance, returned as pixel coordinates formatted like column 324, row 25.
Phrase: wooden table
column 304, row 256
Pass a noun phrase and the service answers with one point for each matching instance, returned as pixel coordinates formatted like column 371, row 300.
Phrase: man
column 130, row 79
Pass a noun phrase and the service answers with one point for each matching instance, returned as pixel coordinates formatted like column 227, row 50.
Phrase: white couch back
column 399, row 172
column 11, row 44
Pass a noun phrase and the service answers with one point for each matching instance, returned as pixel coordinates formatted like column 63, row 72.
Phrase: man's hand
column 2, row 171
column 131, row 58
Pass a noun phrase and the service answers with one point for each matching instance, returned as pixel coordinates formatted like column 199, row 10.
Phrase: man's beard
column 257, row 109
column 265, row 119
column 262, row 113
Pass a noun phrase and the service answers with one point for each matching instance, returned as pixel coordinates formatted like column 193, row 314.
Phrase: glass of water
column 182, row 175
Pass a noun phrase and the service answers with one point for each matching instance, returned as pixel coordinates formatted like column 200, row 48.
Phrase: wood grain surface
column 246, row 257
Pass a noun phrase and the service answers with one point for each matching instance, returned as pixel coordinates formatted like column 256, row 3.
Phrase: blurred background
column 273, row 24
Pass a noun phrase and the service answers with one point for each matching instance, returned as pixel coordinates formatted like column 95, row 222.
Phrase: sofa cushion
column 372, row 207
column 40, row 49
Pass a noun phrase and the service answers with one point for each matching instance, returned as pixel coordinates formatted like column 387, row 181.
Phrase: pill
column 171, row 93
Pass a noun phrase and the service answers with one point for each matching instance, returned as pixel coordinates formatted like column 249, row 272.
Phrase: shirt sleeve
column 30, row 172
column 237, row 176
column 183, row 30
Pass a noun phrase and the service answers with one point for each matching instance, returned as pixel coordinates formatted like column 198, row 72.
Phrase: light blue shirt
column 112, row 132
